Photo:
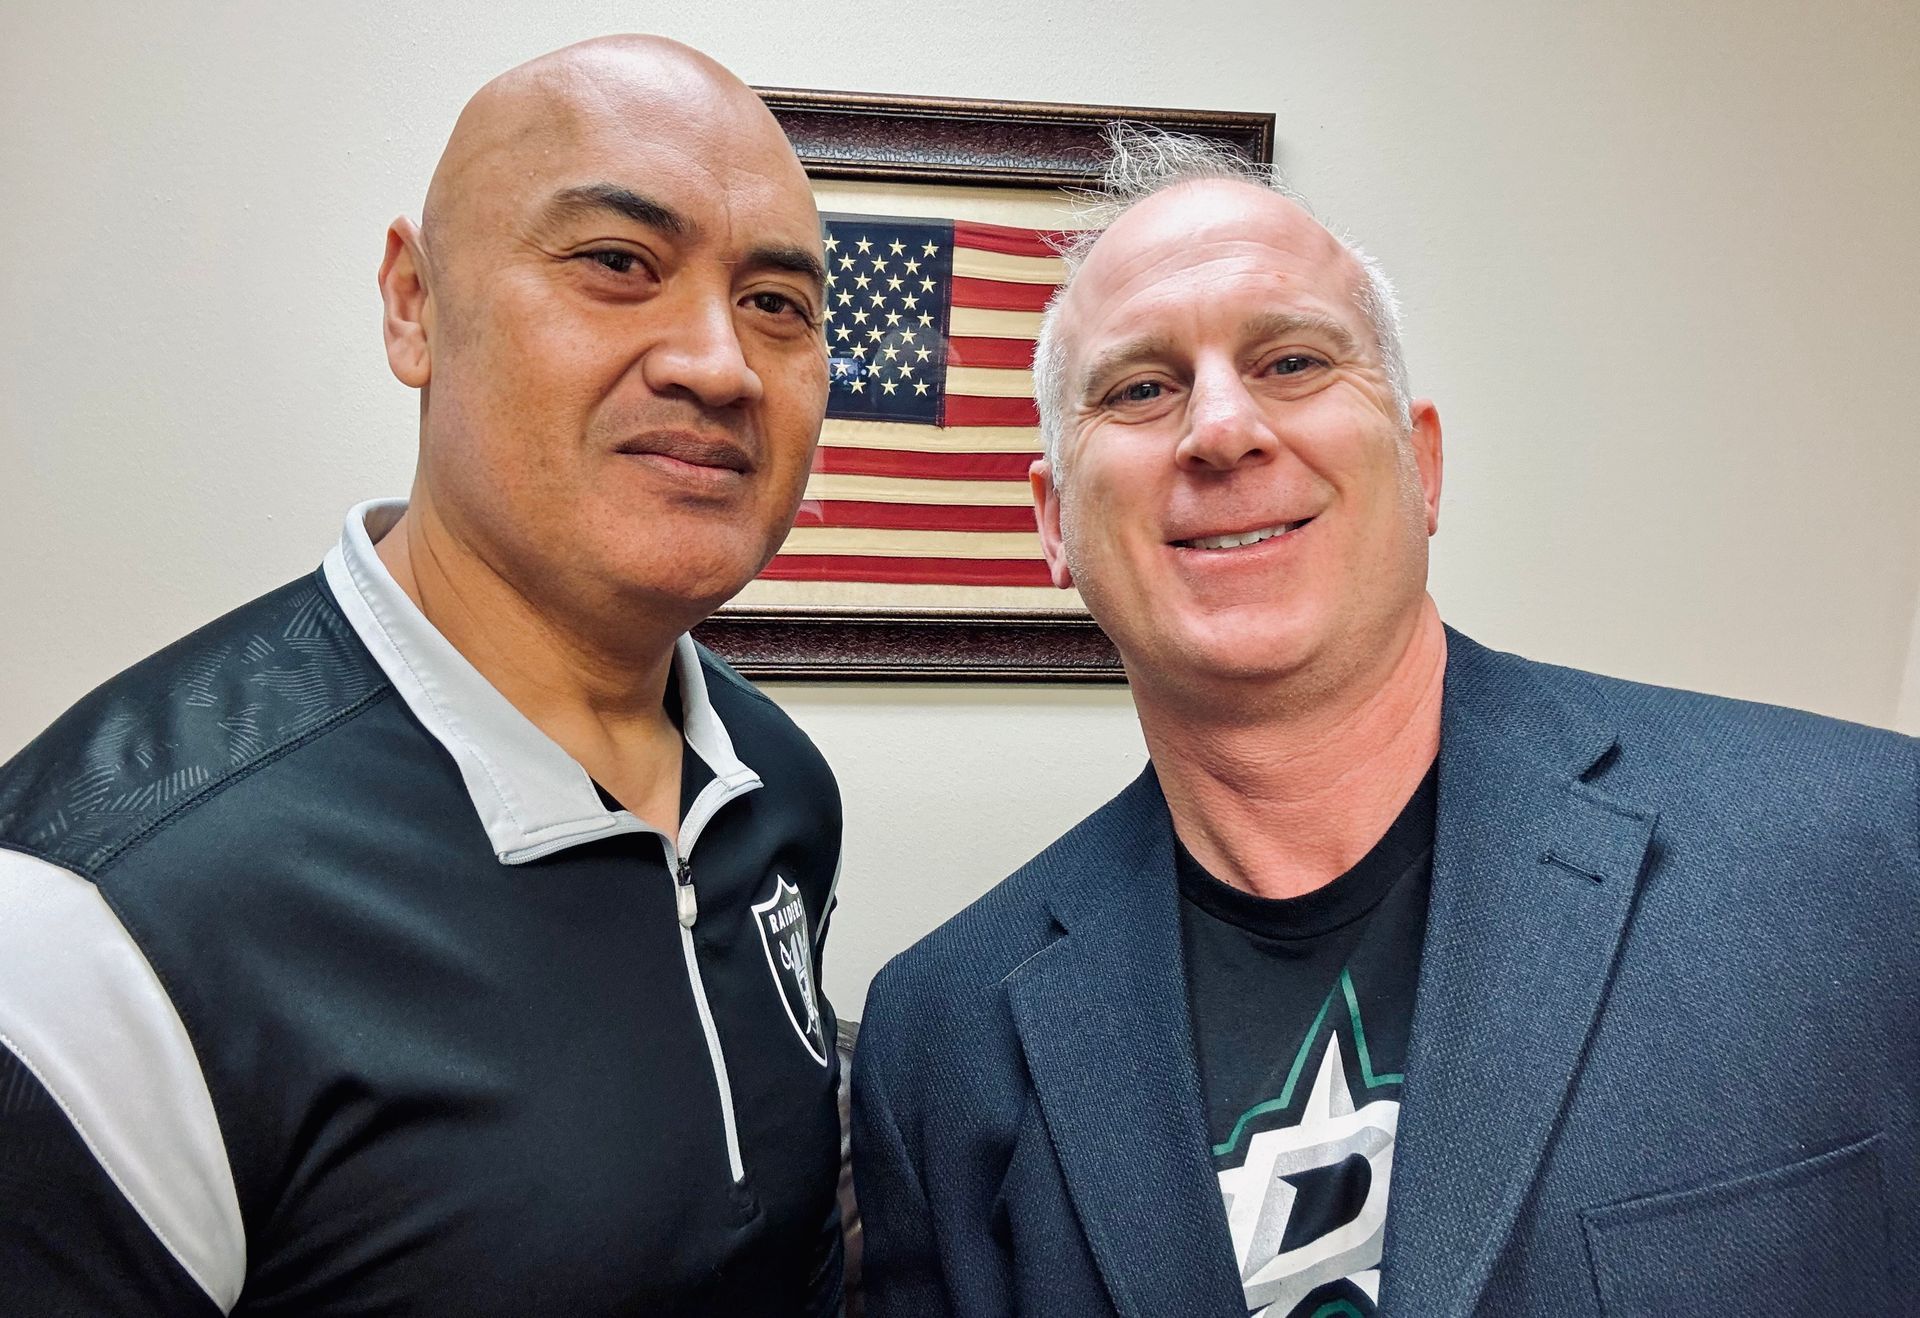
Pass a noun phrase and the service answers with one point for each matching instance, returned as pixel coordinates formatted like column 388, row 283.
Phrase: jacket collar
column 531, row 796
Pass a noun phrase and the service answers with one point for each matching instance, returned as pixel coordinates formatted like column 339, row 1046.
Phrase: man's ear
column 1428, row 457
column 1046, row 511
column 408, row 305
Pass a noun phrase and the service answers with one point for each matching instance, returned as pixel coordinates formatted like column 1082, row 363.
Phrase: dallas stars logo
column 1284, row 1168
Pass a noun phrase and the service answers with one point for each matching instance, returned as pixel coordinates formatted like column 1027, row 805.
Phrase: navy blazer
column 1664, row 1057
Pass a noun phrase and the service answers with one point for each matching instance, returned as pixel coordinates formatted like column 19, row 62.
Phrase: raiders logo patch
column 788, row 938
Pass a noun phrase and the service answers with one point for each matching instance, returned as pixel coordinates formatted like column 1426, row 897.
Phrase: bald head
column 583, row 101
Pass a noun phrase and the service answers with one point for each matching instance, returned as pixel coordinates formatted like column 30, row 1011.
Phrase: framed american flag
column 914, row 554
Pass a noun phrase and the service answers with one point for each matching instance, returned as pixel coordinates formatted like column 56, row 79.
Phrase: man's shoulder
column 1649, row 702
column 799, row 799
column 1688, row 732
column 757, row 724
column 990, row 939
column 1716, row 765
column 179, row 725
column 976, row 948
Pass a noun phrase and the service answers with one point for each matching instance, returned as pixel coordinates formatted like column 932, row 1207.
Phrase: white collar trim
column 532, row 797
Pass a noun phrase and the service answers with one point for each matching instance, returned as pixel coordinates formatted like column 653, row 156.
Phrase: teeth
column 1245, row 538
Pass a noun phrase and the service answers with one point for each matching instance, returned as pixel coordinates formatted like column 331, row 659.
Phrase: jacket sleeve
column 900, row 1264
column 70, row 1243
column 833, row 1261
column 115, row 1192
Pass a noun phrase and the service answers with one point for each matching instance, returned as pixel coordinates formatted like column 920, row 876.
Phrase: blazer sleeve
column 900, row 1264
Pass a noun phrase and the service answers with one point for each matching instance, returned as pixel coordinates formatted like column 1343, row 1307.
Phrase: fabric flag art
column 921, row 473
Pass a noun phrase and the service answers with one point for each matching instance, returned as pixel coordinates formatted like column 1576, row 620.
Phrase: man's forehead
column 648, row 147
column 1159, row 247
column 1188, row 222
column 649, row 120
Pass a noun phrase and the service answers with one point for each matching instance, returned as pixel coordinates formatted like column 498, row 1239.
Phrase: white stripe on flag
column 902, row 489
column 910, row 438
column 989, row 382
column 972, row 263
column 912, row 544
column 972, row 322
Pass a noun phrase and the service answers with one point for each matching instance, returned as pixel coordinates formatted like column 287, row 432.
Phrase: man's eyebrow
column 594, row 198
column 793, row 260
column 1285, row 324
column 1127, row 353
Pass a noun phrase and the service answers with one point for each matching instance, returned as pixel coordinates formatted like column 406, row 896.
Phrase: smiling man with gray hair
column 1411, row 978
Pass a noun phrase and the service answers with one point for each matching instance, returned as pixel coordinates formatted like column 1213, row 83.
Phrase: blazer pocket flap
column 1809, row 1238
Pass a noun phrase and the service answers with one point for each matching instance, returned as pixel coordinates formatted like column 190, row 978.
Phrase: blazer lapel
column 1102, row 1016
column 1534, row 872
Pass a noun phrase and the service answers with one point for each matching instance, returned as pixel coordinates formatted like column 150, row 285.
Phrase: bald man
column 439, row 933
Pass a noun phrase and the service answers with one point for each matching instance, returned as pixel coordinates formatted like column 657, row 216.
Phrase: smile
column 1242, row 538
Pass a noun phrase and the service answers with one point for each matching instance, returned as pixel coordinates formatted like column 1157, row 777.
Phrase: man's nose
column 699, row 353
column 1225, row 423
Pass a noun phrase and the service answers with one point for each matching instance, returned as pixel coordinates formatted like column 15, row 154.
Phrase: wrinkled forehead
column 1201, row 242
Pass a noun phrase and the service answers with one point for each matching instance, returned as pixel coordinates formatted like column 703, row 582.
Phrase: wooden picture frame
column 972, row 150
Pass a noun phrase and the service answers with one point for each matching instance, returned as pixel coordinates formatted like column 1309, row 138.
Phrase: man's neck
column 1287, row 802
column 604, row 707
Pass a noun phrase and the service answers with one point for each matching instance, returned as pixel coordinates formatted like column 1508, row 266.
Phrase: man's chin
column 1239, row 665
column 1228, row 656
column 693, row 582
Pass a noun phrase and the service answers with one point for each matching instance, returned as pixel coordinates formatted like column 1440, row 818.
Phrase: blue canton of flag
column 889, row 284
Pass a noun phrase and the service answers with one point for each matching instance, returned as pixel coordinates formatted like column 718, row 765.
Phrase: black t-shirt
column 1300, row 1009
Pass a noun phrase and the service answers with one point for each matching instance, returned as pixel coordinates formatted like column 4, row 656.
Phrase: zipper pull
column 684, row 897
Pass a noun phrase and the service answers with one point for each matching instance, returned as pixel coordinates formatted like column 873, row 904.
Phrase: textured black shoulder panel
column 175, row 727
column 714, row 664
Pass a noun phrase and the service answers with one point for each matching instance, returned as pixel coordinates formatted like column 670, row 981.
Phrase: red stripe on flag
column 1016, row 354
column 922, row 466
column 966, row 410
column 1000, row 238
column 909, row 571
column 912, row 516
column 999, row 295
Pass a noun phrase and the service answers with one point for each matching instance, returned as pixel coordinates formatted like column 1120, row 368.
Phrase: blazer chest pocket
column 1808, row 1239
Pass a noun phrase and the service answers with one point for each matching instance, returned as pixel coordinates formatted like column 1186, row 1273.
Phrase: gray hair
column 1142, row 161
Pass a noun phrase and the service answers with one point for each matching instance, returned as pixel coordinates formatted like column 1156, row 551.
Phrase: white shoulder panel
column 82, row 1008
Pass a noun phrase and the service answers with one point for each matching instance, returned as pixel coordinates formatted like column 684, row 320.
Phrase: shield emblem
column 787, row 935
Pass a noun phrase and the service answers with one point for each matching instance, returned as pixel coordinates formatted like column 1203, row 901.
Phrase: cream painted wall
column 1659, row 262
column 1907, row 718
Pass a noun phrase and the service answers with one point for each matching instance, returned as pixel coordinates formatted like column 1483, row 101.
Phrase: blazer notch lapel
column 1103, row 1023
column 1535, row 873
column 1601, row 839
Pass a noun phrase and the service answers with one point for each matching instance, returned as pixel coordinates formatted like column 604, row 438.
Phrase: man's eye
column 1293, row 364
column 612, row 258
column 1140, row 391
column 788, row 314
column 776, row 304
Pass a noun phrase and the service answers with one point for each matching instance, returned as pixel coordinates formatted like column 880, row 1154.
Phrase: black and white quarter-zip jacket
column 328, row 985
